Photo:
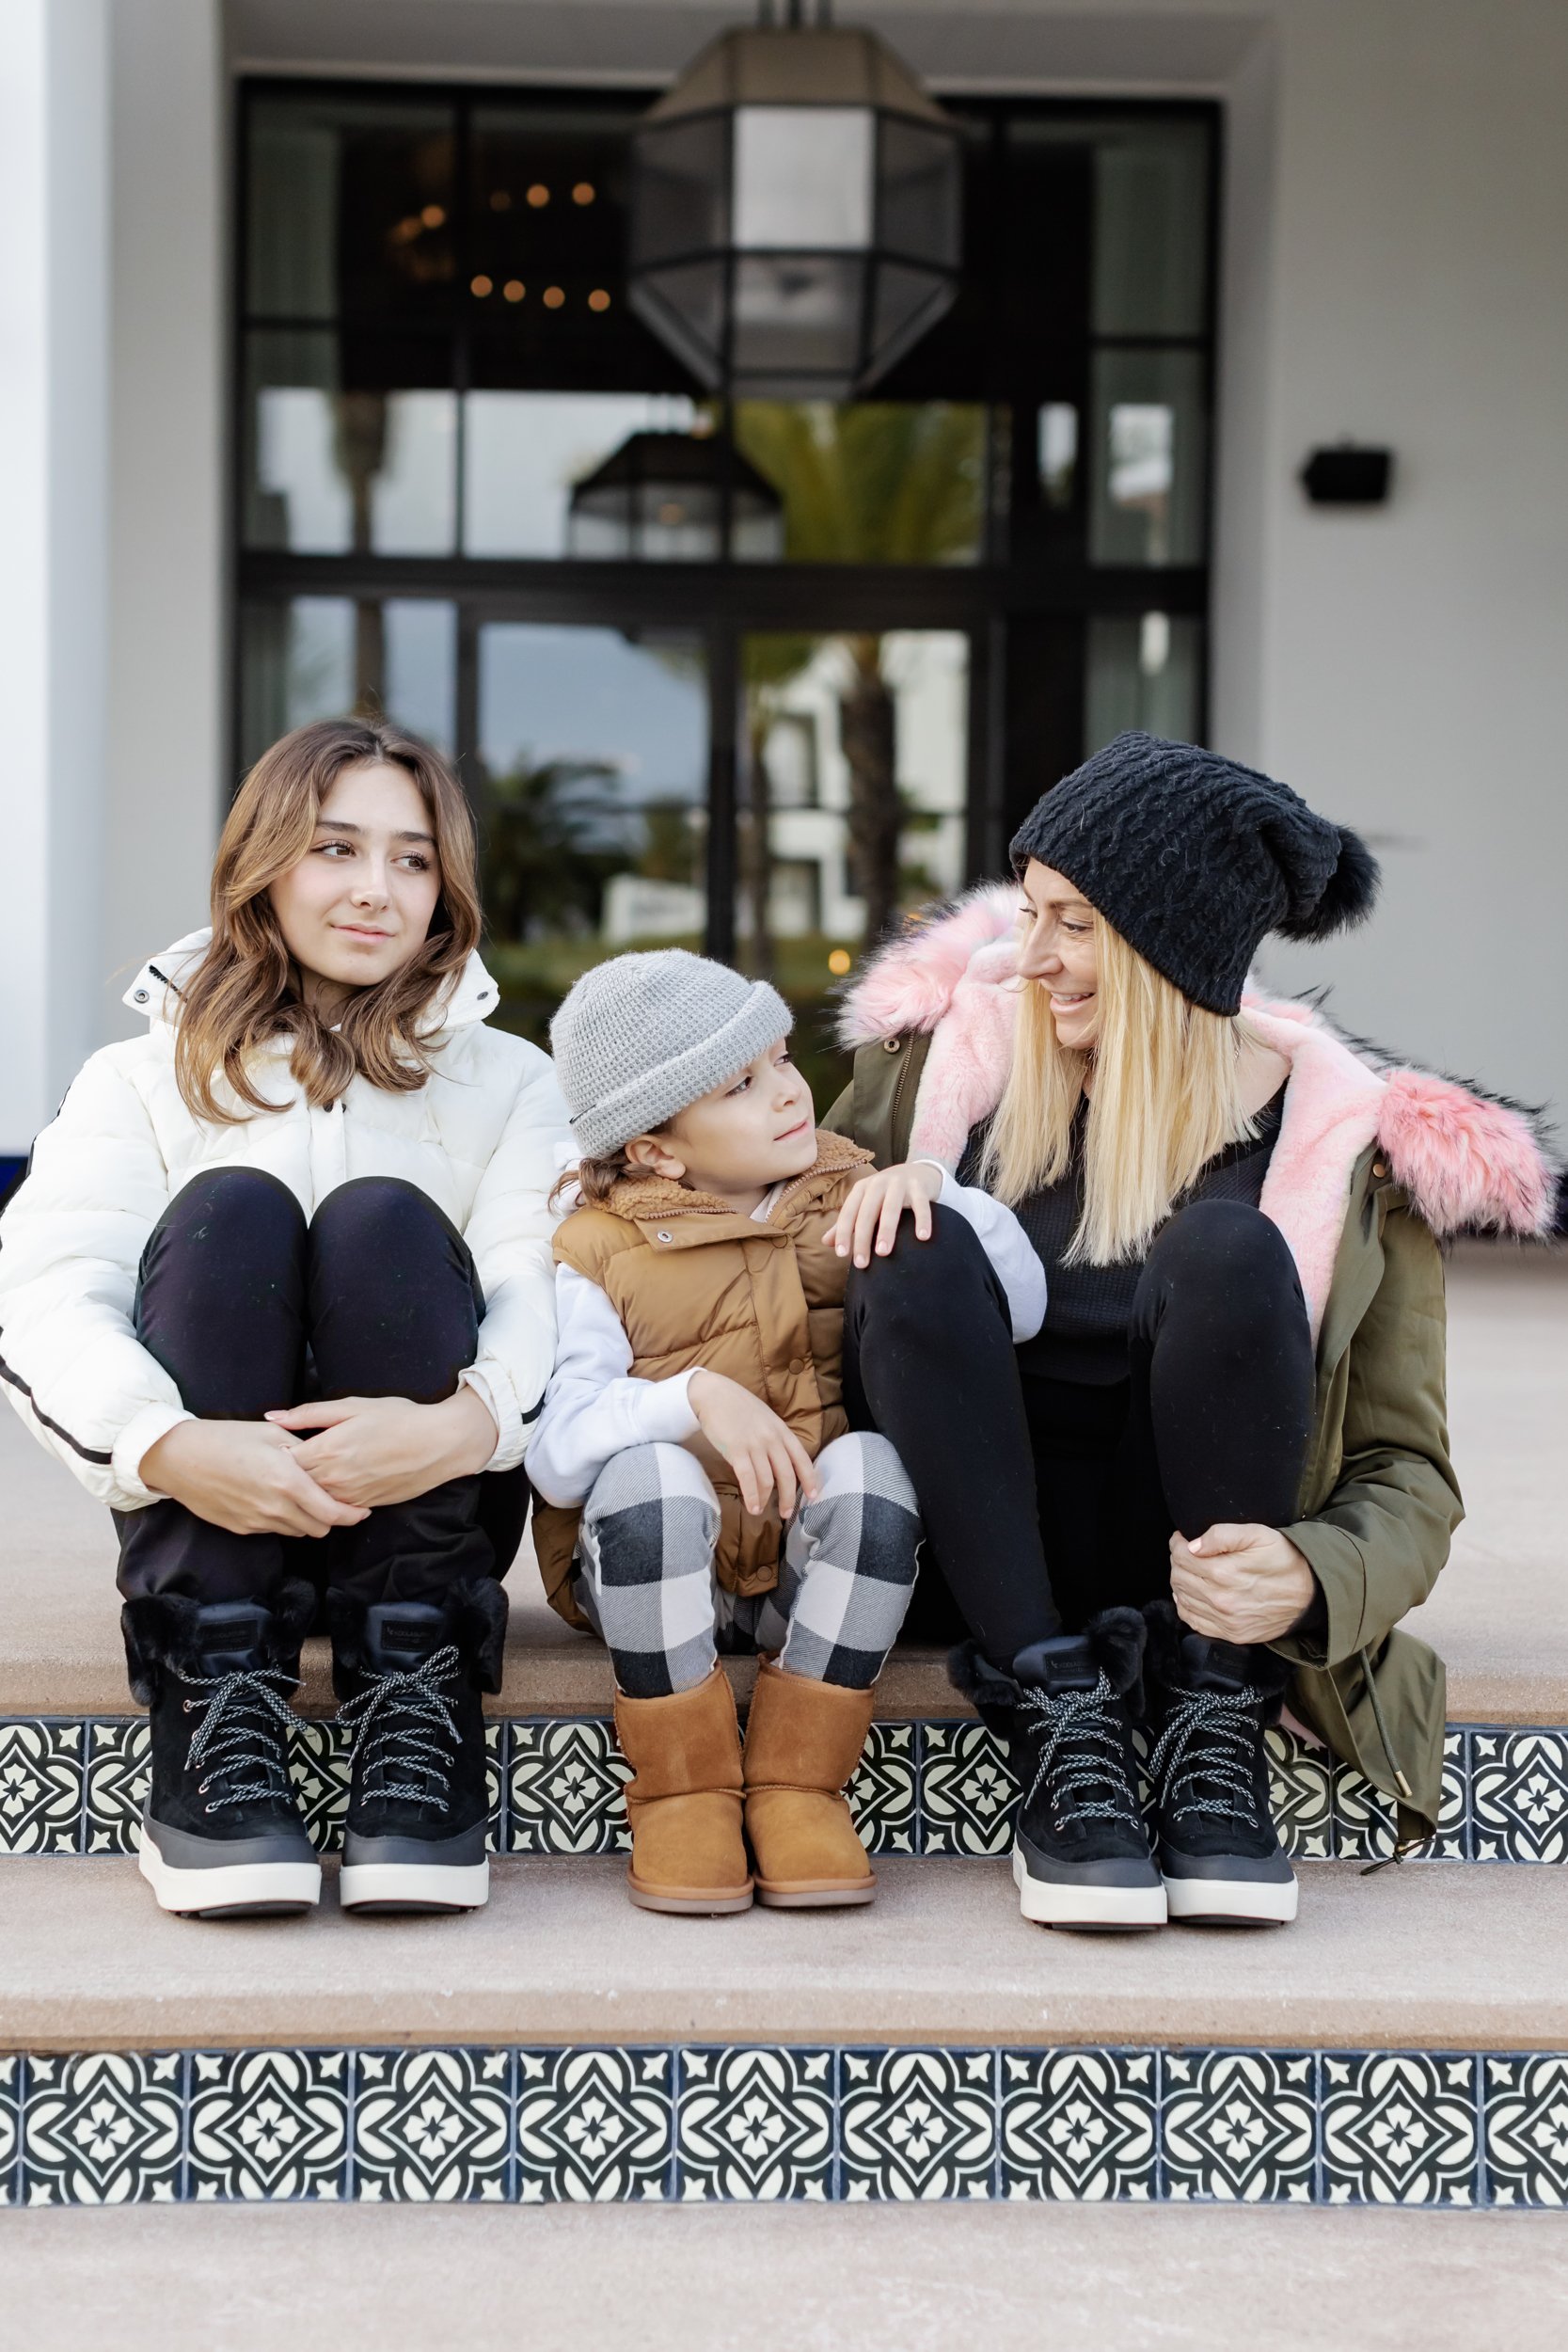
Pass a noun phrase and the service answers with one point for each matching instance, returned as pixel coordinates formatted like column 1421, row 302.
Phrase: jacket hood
column 1468, row 1160
column 158, row 986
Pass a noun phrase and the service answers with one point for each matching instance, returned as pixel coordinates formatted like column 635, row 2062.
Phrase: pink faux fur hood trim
column 1467, row 1162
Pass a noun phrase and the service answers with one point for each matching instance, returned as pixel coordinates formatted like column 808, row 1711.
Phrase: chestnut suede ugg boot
column 688, row 1852
column 803, row 1740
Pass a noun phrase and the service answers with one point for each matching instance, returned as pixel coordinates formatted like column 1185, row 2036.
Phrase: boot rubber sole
column 1232, row 1902
column 385, row 1886
column 1051, row 1903
column 230, row 1890
column 689, row 1899
column 816, row 1894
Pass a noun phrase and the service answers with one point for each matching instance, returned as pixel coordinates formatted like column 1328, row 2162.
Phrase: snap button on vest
column 1379, row 1168
column 664, row 1237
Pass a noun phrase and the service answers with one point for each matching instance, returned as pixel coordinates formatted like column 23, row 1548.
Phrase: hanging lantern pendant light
column 795, row 209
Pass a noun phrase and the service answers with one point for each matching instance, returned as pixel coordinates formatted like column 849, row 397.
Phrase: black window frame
column 1026, row 617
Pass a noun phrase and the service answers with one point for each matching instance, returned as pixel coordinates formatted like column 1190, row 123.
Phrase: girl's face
column 1056, row 951
column 359, row 905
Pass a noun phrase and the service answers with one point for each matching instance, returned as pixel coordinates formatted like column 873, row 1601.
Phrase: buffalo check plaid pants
column 644, row 1571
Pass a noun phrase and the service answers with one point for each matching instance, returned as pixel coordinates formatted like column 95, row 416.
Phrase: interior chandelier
column 796, row 205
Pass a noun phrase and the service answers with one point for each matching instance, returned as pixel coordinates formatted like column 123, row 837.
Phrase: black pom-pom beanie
column 1193, row 859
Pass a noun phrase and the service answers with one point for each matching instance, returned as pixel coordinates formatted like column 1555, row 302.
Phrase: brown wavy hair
column 246, row 991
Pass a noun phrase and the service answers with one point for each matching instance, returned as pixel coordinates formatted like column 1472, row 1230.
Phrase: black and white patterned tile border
column 745, row 2123
column 73, row 1786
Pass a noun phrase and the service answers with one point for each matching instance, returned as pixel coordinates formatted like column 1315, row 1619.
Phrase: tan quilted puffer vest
column 694, row 1284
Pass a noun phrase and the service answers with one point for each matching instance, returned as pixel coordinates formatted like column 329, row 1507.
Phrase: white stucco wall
column 54, row 422
column 1413, row 664
column 167, row 679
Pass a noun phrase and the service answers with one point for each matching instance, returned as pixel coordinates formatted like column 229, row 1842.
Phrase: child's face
column 754, row 1132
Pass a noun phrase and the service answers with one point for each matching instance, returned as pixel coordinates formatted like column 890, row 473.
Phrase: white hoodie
column 482, row 1138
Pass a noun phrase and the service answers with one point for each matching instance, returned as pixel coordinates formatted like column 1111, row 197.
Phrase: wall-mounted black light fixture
column 1348, row 476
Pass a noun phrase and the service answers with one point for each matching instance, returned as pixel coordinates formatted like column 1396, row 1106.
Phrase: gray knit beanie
column 640, row 1037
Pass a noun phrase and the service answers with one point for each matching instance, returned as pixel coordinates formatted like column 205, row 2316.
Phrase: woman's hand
column 1245, row 1583
column 870, row 1215
column 373, row 1450
column 763, row 1450
column 244, row 1477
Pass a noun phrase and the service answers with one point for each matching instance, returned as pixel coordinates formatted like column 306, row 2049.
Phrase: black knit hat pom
column 1347, row 896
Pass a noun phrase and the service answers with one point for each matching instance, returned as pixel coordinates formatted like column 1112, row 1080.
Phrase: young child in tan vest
column 700, row 1488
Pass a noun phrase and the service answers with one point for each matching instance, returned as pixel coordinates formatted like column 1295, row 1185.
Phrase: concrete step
column 1496, row 1615
column 1405, row 2042
column 561, row 1955
column 1133, row 2278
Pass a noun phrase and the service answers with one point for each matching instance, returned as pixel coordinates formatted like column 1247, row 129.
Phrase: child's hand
column 763, row 1450
column 871, row 1212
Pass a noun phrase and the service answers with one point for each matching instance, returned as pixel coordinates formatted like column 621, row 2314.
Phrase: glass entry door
column 853, row 775
column 780, row 798
column 591, row 781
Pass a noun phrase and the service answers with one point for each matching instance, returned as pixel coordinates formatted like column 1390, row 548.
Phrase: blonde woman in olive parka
column 1264, row 1318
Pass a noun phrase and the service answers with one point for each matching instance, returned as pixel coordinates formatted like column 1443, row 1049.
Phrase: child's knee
column 654, row 1477
column 863, row 1462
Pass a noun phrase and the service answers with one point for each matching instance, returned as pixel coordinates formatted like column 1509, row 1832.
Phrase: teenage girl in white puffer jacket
column 278, row 1288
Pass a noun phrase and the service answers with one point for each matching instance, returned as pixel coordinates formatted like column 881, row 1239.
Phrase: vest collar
column 675, row 1215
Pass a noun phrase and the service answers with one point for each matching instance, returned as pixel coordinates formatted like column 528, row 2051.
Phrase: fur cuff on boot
column 1118, row 1638
column 163, row 1631
column 475, row 1621
column 1260, row 1668
column 993, row 1695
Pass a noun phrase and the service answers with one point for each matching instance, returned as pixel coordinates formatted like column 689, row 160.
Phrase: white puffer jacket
column 482, row 1139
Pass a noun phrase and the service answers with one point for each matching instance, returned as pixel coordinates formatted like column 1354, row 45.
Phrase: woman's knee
column 372, row 1214
column 1227, row 1241
column 1227, row 1262
column 919, row 1281
column 225, row 1206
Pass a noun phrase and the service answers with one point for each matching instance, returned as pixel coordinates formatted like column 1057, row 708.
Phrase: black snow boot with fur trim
column 1081, row 1854
column 221, row 1832
column 410, row 1675
column 1210, row 1704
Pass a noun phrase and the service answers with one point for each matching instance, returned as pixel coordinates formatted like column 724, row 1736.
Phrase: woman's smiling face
column 1056, row 951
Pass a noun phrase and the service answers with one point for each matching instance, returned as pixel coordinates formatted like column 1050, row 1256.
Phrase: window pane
column 420, row 651
column 1150, row 229
column 548, row 228
column 854, row 797
column 524, row 452
column 1144, row 673
column 592, row 802
column 321, row 656
column 876, row 482
column 1056, row 454
column 296, row 663
column 335, row 471
column 349, row 206
column 1150, row 432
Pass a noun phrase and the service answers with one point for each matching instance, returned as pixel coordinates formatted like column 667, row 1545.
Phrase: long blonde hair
column 245, row 991
column 1167, row 1096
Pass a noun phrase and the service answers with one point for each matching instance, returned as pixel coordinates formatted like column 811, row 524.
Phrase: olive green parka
column 1370, row 1166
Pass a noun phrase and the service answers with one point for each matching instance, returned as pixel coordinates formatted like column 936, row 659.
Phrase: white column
column 167, row 733
column 53, row 432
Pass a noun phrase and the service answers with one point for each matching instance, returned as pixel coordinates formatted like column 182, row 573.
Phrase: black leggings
column 1045, row 1501
column 247, row 1308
